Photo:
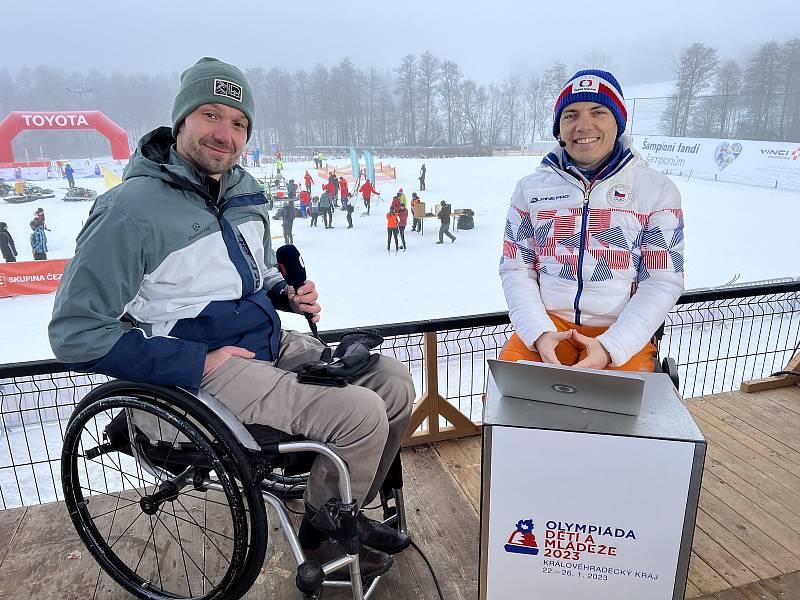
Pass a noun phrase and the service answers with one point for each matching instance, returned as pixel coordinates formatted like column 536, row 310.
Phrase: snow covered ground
column 730, row 229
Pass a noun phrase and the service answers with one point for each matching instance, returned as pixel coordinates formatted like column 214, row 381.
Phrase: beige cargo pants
column 363, row 423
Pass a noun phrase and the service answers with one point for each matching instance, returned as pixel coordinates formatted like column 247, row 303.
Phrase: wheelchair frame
column 205, row 415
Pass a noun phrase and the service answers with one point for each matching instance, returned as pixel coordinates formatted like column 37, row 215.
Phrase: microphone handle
column 309, row 317
column 312, row 325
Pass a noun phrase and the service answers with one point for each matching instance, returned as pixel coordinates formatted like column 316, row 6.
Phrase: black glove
column 351, row 359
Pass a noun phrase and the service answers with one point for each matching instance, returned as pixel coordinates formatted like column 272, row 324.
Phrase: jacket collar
column 620, row 156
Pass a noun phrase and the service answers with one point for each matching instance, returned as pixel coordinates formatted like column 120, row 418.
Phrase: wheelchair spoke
column 190, row 495
column 119, row 537
column 123, row 475
column 102, row 493
column 186, row 554
column 155, row 549
column 147, row 543
column 183, row 553
column 204, row 529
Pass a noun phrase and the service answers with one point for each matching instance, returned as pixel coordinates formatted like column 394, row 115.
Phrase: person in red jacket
column 344, row 191
column 39, row 216
column 309, row 181
column 330, row 188
column 305, row 200
column 391, row 230
column 402, row 221
column 366, row 193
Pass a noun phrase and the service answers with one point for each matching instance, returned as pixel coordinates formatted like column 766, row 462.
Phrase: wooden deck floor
column 746, row 544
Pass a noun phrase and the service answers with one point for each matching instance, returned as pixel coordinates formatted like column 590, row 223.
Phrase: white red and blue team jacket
column 604, row 253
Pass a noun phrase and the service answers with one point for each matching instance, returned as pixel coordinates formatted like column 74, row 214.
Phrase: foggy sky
column 488, row 40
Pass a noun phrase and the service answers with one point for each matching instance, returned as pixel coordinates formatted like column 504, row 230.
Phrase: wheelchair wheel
column 173, row 514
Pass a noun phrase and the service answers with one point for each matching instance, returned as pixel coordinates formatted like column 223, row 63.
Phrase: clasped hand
column 597, row 357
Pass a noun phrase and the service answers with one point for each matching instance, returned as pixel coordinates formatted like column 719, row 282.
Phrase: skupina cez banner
column 747, row 161
column 30, row 277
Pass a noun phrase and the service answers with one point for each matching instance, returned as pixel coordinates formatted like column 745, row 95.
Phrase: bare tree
column 694, row 72
column 449, row 92
column 537, row 110
column 473, row 108
column 427, row 79
column 319, row 82
column 406, row 87
column 725, row 105
column 553, row 79
column 762, row 86
column 345, row 84
column 512, row 103
column 494, row 115
column 789, row 122
column 304, row 118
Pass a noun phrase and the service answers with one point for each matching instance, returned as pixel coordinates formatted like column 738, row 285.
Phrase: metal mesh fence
column 717, row 337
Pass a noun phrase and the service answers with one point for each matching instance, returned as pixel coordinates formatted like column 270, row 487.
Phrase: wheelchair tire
column 204, row 541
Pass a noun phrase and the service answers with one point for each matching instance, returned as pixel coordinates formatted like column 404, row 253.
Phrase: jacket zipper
column 581, row 250
column 584, row 224
column 217, row 210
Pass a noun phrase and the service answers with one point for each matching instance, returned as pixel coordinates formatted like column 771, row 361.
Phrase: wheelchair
column 168, row 491
column 668, row 364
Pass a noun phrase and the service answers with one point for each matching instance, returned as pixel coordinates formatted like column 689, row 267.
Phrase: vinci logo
column 796, row 153
column 522, row 540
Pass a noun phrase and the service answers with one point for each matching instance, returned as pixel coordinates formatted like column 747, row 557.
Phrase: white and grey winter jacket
column 163, row 273
column 602, row 253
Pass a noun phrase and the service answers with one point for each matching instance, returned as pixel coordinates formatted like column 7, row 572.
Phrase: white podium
column 579, row 503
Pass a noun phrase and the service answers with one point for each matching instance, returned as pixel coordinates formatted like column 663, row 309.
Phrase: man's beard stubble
column 194, row 152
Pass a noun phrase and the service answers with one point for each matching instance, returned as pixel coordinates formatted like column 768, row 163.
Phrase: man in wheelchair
column 174, row 283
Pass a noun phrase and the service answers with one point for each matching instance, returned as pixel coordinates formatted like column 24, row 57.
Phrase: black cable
column 430, row 568
column 794, row 373
column 285, row 499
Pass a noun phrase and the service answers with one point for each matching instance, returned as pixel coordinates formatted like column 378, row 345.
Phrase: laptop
column 609, row 391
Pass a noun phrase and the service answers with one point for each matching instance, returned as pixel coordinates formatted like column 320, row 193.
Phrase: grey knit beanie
column 211, row 81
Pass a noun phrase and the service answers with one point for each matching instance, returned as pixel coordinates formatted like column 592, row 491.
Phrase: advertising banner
column 30, row 277
column 760, row 163
column 576, row 515
column 370, row 163
column 354, row 162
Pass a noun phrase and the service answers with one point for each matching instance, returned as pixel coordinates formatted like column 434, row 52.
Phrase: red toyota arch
column 18, row 121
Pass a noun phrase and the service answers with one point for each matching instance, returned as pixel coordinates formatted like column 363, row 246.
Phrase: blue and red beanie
column 592, row 85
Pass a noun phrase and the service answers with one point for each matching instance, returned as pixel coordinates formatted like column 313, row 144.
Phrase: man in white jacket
column 593, row 246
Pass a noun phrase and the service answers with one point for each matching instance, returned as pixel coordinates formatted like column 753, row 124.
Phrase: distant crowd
column 336, row 193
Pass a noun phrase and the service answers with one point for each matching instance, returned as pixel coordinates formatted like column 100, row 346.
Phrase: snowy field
column 730, row 230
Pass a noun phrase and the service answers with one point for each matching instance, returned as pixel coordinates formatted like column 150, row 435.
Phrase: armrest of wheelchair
column 236, row 427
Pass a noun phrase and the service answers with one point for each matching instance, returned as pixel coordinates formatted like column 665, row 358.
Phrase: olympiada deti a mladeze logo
column 522, row 540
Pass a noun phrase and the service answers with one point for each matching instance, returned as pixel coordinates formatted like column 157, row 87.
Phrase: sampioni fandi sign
column 761, row 162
